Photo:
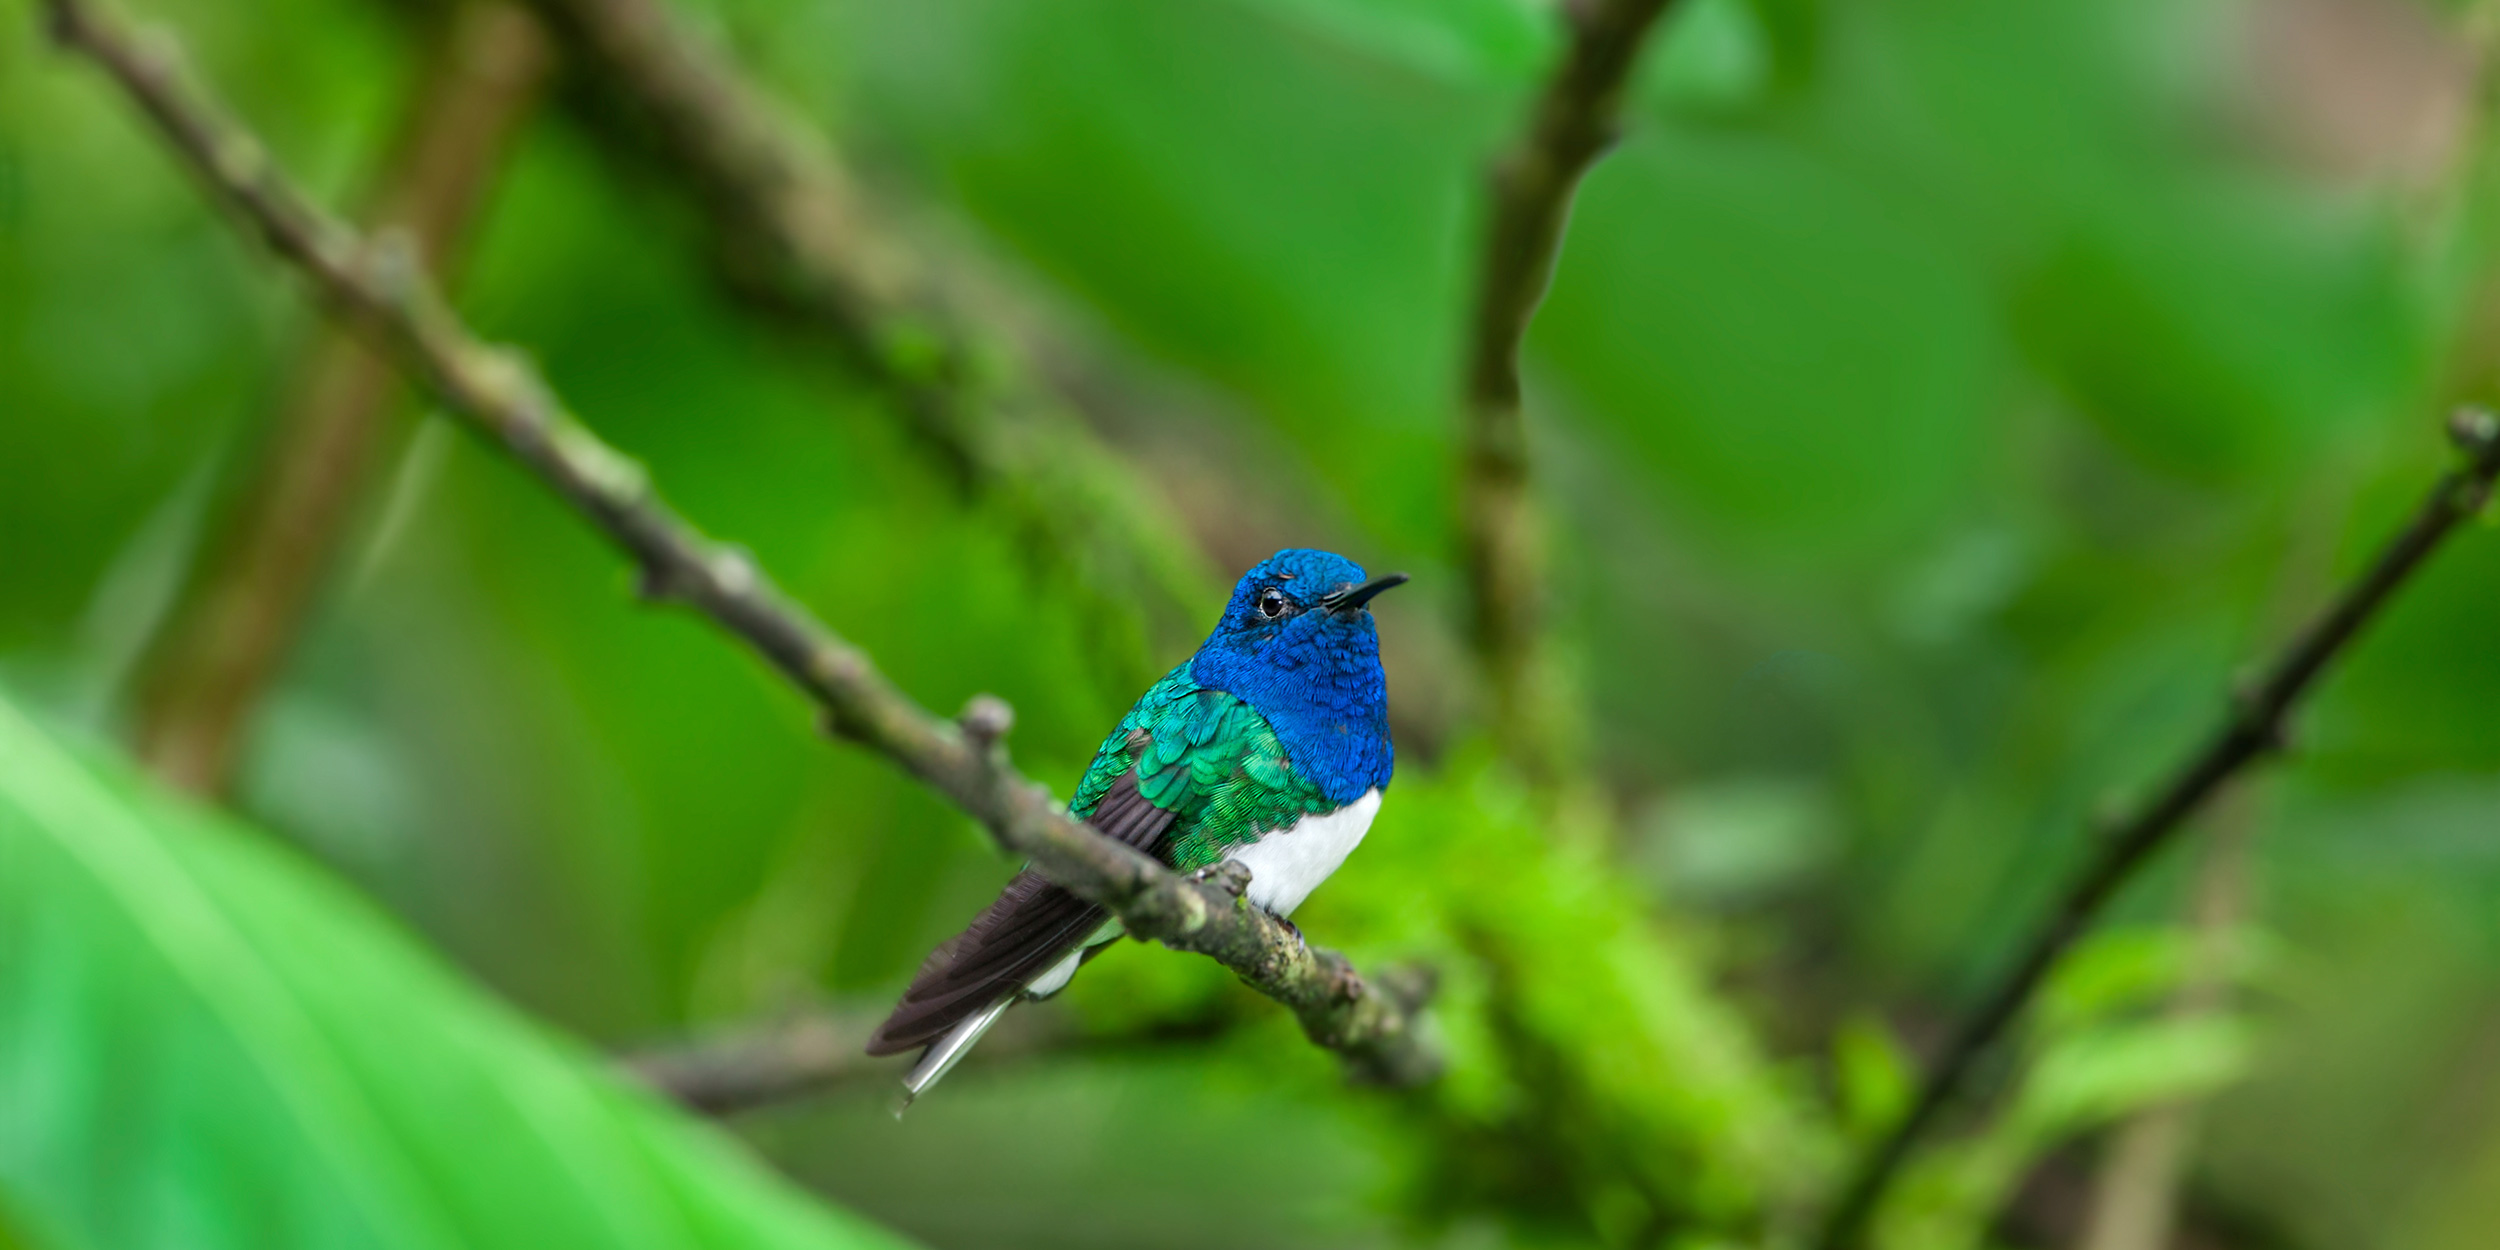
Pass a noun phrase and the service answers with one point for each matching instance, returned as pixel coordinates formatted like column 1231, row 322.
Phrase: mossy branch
column 375, row 286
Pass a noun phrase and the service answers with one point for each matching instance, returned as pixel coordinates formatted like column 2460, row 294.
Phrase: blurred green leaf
column 2079, row 1081
column 2101, row 1047
column 1463, row 40
column 1737, row 840
column 1710, row 54
column 10, row 1238
column 2099, row 1075
column 205, row 1045
column 1873, row 1077
column 1802, row 361
column 2112, row 971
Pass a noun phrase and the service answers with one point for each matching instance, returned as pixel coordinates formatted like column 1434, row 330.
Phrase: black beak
column 1351, row 598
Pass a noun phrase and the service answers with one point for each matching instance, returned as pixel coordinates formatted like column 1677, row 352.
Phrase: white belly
column 1286, row 865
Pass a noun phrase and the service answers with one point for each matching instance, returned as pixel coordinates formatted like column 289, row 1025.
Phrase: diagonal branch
column 375, row 286
column 796, row 237
column 1531, row 189
column 2255, row 729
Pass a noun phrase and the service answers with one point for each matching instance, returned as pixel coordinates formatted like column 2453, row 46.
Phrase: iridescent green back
column 1209, row 758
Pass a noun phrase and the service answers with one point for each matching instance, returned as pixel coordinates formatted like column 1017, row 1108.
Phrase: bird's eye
column 1272, row 604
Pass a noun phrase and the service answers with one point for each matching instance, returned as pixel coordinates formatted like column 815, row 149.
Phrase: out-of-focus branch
column 759, row 1065
column 2255, row 729
column 229, row 637
column 1530, row 190
column 377, row 288
column 796, row 237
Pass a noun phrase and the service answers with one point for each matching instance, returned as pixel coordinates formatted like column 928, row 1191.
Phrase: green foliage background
column 1940, row 400
column 206, row 1047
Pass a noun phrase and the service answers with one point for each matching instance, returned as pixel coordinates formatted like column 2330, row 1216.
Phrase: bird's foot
column 1229, row 875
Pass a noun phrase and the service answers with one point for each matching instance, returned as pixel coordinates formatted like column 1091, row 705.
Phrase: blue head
column 1298, row 644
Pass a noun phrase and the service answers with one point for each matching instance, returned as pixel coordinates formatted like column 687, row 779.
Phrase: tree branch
column 376, row 287
column 1530, row 190
column 795, row 235
column 2255, row 729
column 230, row 636
column 757, row 1066
column 750, row 1065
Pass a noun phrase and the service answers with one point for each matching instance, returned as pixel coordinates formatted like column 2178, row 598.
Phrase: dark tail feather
column 1032, row 926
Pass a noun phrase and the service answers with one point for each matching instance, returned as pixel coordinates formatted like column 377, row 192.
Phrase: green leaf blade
column 204, row 1044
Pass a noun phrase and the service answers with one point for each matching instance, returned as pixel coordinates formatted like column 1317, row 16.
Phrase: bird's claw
column 1230, row 876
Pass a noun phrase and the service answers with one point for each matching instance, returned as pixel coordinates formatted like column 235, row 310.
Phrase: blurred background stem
column 217, row 654
column 1502, row 546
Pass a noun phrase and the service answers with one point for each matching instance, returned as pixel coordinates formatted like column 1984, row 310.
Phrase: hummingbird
column 1269, row 747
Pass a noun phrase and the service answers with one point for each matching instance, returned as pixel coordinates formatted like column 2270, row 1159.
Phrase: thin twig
column 797, row 237
column 373, row 286
column 2255, row 729
column 230, row 636
column 1530, row 191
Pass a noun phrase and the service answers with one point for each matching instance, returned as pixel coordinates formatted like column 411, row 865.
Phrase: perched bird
column 1270, row 746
